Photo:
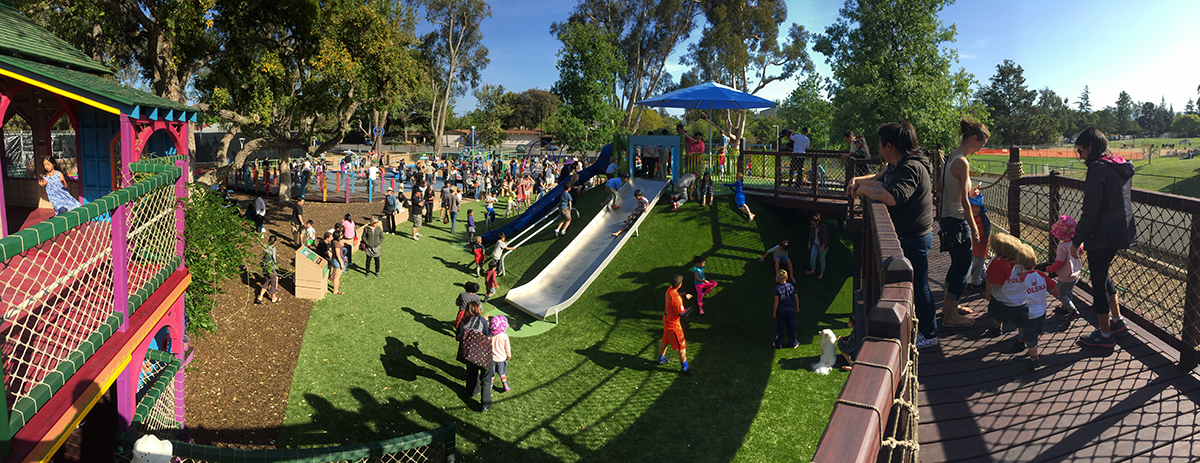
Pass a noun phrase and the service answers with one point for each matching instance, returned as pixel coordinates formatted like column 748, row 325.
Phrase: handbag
column 953, row 232
column 475, row 349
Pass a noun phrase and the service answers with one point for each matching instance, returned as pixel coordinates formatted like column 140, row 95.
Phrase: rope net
column 56, row 295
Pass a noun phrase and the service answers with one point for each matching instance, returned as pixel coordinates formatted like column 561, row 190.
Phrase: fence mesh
column 437, row 445
column 56, row 295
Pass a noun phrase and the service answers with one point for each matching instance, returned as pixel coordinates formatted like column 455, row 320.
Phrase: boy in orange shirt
column 672, row 330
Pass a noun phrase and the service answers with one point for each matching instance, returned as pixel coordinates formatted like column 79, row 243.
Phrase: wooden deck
column 979, row 401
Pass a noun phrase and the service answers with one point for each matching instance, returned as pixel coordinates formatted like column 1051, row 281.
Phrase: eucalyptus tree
column 455, row 51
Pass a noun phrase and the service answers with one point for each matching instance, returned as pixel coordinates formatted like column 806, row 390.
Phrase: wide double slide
column 569, row 274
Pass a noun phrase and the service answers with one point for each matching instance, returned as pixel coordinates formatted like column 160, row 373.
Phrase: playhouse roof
column 32, row 54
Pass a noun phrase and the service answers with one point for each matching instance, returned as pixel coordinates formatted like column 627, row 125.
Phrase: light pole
column 776, row 142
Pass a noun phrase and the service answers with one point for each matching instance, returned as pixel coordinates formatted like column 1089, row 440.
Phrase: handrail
column 531, row 235
column 885, row 366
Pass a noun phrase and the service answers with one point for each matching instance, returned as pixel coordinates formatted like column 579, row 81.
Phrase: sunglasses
column 1079, row 150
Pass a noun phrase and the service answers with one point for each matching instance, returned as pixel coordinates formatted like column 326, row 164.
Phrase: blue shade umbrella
column 710, row 96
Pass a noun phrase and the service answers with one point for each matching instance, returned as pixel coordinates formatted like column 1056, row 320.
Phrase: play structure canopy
column 710, row 95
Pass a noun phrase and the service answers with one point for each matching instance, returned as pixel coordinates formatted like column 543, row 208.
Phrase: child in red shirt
column 1017, row 292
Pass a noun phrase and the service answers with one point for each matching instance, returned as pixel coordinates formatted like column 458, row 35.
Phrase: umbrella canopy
column 710, row 95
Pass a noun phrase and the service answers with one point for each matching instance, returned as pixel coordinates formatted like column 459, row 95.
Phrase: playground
column 379, row 362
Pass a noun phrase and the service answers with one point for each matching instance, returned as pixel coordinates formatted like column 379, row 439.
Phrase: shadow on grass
column 399, row 361
column 445, row 327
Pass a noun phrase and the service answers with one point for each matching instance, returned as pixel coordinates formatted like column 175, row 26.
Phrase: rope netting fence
column 1153, row 279
column 155, row 414
column 57, row 286
column 433, row 446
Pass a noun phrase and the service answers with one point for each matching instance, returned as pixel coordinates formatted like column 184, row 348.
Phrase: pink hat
column 1064, row 229
column 499, row 324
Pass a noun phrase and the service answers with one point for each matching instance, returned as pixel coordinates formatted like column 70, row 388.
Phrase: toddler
column 1066, row 264
column 979, row 251
column 310, row 234
column 477, row 251
column 1004, row 290
column 490, row 281
column 471, row 225
column 490, row 199
column 501, row 350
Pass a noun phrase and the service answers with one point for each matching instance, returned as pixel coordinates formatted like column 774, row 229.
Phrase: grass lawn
column 378, row 362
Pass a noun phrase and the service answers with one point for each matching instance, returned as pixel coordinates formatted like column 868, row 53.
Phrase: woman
column 327, row 248
column 861, row 155
column 905, row 188
column 270, row 269
column 349, row 239
column 1105, row 226
column 479, row 380
column 56, row 188
column 957, row 229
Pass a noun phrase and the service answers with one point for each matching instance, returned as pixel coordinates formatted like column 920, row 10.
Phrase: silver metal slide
column 574, row 269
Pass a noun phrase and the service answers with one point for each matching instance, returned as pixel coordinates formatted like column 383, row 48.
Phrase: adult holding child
column 957, row 230
column 905, row 188
column 1105, row 226
column 474, row 346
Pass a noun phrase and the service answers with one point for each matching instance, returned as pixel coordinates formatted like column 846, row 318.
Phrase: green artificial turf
column 378, row 362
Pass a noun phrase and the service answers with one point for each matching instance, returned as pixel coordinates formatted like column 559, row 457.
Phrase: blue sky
column 1149, row 49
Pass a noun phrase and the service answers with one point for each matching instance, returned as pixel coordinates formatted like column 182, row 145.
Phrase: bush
column 217, row 246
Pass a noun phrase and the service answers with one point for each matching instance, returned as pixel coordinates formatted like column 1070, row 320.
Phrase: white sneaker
column 922, row 342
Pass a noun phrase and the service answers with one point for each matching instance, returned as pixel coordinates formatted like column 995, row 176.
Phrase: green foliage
column 889, row 64
column 763, row 130
column 740, row 47
column 217, row 246
column 805, row 107
column 587, row 73
column 1011, row 106
column 1186, row 125
column 493, row 109
column 1124, row 113
column 530, row 108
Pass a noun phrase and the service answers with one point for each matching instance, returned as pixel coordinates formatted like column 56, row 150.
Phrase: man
column 642, row 204
column 452, row 204
column 672, row 329
column 391, row 207
column 447, row 192
column 613, row 187
column 800, row 144
column 297, row 221
column 564, row 210
column 372, row 240
column 414, row 211
column 372, row 177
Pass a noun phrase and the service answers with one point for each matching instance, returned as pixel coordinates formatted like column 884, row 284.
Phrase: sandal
column 965, row 311
column 966, row 322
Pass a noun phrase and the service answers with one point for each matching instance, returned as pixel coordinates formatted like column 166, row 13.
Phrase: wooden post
column 324, row 188
column 1014, row 192
column 337, row 181
column 1191, row 299
column 1054, row 208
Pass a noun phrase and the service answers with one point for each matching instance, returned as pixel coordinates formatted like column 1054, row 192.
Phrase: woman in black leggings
column 1105, row 226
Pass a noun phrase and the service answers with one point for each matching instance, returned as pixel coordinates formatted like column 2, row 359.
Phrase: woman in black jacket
column 1105, row 226
column 479, row 380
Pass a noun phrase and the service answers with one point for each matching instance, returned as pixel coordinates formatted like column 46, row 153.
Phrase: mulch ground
column 237, row 384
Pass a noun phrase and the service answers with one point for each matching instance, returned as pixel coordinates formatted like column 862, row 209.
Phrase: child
column 471, row 225
column 469, row 295
column 501, row 350
column 511, row 207
column 1005, row 275
column 683, row 190
column 1066, row 264
column 642, row 205
column 477, row 250
column 784, row 311
column 706, row 190
column 979, row 251
column 703, row 286
column 1037, row 286
column 739, row 199
column 310, row 233
column 672, row 329
column 490, row 199
column 498, row 252
column 781, row 256
column 489, row 281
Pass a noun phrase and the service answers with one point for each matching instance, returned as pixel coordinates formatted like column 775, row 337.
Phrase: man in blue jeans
column 906, row 189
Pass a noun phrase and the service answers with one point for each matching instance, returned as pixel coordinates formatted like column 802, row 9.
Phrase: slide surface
column 549, row 200
column 569, row 274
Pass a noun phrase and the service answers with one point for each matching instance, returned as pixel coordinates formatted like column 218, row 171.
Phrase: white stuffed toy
column 149, row 449
column 828, row 353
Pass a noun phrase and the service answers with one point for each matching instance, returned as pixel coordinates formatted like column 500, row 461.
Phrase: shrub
column 217, row 246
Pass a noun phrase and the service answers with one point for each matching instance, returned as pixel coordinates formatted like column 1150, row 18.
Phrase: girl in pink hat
column 1066, row 264
column 501, row 350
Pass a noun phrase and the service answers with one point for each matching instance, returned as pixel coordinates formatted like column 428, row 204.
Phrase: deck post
column 741, row 163
column 1055, row 193
column 1014, row 191
column 1191, row 299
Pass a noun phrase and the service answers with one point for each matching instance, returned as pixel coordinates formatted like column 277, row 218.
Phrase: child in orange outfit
column 672, row 329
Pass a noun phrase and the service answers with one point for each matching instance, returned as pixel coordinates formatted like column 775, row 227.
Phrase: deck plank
column 980, row 402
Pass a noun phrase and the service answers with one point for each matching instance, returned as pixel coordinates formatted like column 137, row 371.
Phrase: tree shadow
column 399, row 361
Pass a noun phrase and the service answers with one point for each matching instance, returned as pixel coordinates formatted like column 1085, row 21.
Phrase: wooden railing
column 864, row 416
column 815, row 174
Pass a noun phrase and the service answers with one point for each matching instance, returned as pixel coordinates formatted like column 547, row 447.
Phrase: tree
column 805, row 107
column 889, row 64
column 1053, row 117
column 645, row 34
column 1011, row 105
column 456, row 53
column 489, row 117
column 1124, row 113
column 1085, row 100
column 740, row 48
column 1190, row 108
column 587, row 72
column 531, row 107
column 1106, row 120
column 300, row 71
column 1186, row 125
